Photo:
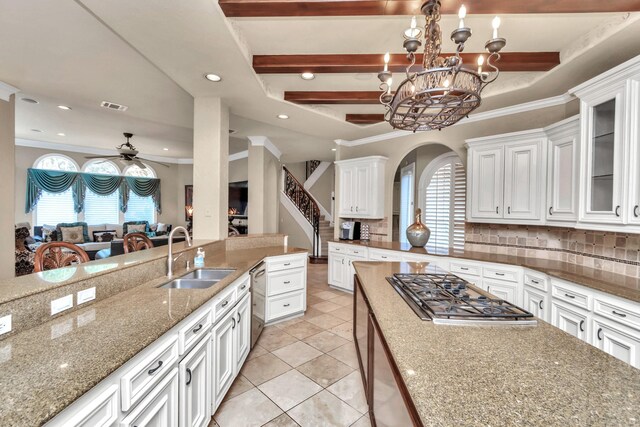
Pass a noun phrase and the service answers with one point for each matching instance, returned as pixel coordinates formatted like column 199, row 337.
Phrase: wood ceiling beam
column 365, row 119
column 273, row 8
column 333, row 97
column 373, row 63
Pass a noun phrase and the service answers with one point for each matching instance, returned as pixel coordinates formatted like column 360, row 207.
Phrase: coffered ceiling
column 151, row 55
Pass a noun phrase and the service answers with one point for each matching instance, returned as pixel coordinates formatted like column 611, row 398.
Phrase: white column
column 210, row 168
column 7, row 189
column 264, row 185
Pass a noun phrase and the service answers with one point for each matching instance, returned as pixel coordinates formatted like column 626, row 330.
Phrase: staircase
column 325, row 229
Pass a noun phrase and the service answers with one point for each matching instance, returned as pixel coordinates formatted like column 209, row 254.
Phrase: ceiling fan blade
column 166, row 165
column 138, row 163
column 102, row 157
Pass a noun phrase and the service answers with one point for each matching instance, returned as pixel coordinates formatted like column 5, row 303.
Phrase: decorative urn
column 417, row 233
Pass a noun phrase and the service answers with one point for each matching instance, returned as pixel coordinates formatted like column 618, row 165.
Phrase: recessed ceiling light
column 212, row 77
column 61, row 134
column 334, row 149
column 283, row 116
column 64, row 107
column 165, row 149
column 36, row 130
column 308, row 76
column 30, row 100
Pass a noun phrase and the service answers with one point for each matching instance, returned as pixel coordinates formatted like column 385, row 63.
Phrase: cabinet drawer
column 284, row 305
column 243, row 287
column 625, row 314
column 339, row 249
column 285, row 263
column 223, row 303
column 536, row 281
column 618, row 341
column 191, row 332
column 571, row 295
column 356, row 252
column 465, row 269
column 285, row 281
column 147, row 372
column 160, row 406
column 381, row 255
column 501, row 274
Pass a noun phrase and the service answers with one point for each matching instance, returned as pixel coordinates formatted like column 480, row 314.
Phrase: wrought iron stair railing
column 305, row 203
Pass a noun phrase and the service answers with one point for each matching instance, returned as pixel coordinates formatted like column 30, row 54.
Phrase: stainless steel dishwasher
column 258, row 292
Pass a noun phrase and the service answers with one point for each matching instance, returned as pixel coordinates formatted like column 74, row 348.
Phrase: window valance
column 52, row 181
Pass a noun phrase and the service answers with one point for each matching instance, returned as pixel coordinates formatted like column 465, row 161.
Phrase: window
column 407, row 213
column 140, row 208
column 101, row 209
column 54, row 208
column 443, row 196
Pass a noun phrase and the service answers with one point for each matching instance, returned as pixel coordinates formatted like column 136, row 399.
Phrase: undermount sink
column 216, row 274
column 189, row 284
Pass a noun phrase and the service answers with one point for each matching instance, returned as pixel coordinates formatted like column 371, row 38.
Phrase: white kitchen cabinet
column 159, row 408
column 195, row 385
column 633, row 207
column 563, row 174
column 243, row 330
column 620, row 342
column 485, row 182
column 503, row 290
column 440, row 261
column 537, row 303
column 341, row 258
column 571, row 320
column 384, row 255
column 224, row 362
column 337, row 271
column 522, row 179
column 99, row 411
column 286, row 287
column 362, row 185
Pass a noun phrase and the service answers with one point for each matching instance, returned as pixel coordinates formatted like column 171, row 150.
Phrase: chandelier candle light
column 444, row 90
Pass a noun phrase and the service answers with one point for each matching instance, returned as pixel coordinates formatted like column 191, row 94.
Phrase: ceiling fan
column 127, row 154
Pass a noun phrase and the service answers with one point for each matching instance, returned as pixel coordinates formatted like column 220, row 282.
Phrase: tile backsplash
column 608, row 251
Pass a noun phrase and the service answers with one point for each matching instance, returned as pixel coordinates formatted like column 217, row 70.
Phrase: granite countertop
column 46, row 368
column 498, row 375
column 611, row 283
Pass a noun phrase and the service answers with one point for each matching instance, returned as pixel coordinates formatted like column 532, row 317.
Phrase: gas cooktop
column 449, row 299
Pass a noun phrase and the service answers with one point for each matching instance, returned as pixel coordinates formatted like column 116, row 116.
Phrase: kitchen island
column 427, row 374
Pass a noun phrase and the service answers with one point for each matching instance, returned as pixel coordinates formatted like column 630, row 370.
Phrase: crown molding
column 6, row 90
column 263, row 141
column 486, row 115
column 240, row 155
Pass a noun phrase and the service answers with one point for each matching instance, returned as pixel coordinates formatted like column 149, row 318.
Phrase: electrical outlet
column 86, row 295
column 5, row 324
column 61, row 304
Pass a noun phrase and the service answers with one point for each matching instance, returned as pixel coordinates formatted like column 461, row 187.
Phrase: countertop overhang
column 498, row 375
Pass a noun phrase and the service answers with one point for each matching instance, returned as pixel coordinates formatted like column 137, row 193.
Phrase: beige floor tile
column 351, row 391
column 343, row 300
column 324, row 409
column 325, row 341
column 326, row 321
column 302, row 329
column 283, row 420
column 344, row 330
column 263, row 368
column 311, row 313
column 325, row 370
column 234, row 412
column 311, row 300
column 256, row 351
column 289, row 322
column 346, row 354
column 297, row 353
column 364, row 421
column 325, row 295
column 326, row 306
column 239, row 386
column 275, row 339
column 289, row 389
column 344, row 313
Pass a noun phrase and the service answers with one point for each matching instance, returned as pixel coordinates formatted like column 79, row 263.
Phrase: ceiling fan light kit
column 128, row 155
column 443, row 91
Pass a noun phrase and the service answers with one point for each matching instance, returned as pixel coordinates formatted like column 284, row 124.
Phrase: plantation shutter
column 54, row 208
column 459, row 205
column 140, row 208
column 101, row 209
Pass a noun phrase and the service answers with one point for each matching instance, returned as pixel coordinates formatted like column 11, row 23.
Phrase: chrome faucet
column 170, row 258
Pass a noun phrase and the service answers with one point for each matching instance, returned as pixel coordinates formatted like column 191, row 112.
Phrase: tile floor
column 302, row 372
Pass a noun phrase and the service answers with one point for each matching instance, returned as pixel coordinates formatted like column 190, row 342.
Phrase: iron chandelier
column 444, row 90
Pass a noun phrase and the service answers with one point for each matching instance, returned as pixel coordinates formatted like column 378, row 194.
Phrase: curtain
column 39, row 180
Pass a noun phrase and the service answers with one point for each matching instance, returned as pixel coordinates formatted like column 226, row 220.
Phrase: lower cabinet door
column 505, row 291
column 571, row 320
column 620, row 342
column 537, row 303
column 223, row 363
column 243, row 330
column 388, row 405
column 100, row 411
column 337, row 270
column 195, row 386
column 159, row 408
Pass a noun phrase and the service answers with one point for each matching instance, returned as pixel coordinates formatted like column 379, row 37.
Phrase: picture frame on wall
column 188, row 200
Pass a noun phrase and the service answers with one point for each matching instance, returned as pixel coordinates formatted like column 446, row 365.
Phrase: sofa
column 95, row 238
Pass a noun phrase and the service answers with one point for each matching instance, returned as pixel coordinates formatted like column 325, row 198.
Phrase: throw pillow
column 136, row 228
column 104, row 236
column 162, row 227
column 72, row 234
column 83, row 225
column 151, row 234
column 48, row 233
